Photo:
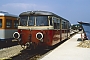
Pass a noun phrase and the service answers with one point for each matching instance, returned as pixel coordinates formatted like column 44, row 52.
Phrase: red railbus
column 41, row 28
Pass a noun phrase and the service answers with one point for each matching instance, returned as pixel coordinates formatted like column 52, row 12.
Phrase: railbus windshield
column 34, row 21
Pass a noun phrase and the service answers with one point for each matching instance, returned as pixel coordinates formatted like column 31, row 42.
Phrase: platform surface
column 69, row 51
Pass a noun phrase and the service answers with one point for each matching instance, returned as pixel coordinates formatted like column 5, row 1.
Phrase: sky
column 72, row 10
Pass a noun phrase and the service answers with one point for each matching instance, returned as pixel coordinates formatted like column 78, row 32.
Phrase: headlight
column 39, row 36
column 16, row 35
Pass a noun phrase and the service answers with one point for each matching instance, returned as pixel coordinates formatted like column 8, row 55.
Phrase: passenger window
column 8, row 23
column 58, row 24
column 0, row 23
column 16, row 23
column 66, row 25
column 55, row 23
column 63, row 24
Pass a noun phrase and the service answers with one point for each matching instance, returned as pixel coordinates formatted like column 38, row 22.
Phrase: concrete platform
column 69, row 51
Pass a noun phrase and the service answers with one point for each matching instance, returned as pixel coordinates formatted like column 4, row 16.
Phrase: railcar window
column 31, row 21
column 58, row 24
column 8, row 23
column 55, row 23
column 0, row 23
column 23, row 20
column 69, row 25
column 16, row 23
column 63, row 24
column 42, row 21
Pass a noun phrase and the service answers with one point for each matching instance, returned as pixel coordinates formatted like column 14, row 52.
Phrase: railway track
column 24, row 55
column 34, row 54
column 30, row 54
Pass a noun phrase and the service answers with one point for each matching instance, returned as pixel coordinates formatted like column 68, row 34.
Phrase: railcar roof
column 7, row 14
column 39, row 13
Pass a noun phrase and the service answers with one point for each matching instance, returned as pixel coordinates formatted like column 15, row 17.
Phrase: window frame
column 56, row 23
column 16, row 23
column 42, row 23
column 10, row 23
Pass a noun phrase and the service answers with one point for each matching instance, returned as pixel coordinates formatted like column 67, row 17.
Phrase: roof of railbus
column 40, row 13
column 7, row 14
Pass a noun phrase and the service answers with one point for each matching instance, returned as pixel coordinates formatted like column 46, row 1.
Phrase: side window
column 0, row 23
column 69, row 25
column 16, row 23
column 8, row 23
column 55, row 23
column 58, row 24
column 63, row 24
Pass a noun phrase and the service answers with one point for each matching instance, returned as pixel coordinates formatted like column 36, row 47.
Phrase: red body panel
column 51, row 37
column 30, row 36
